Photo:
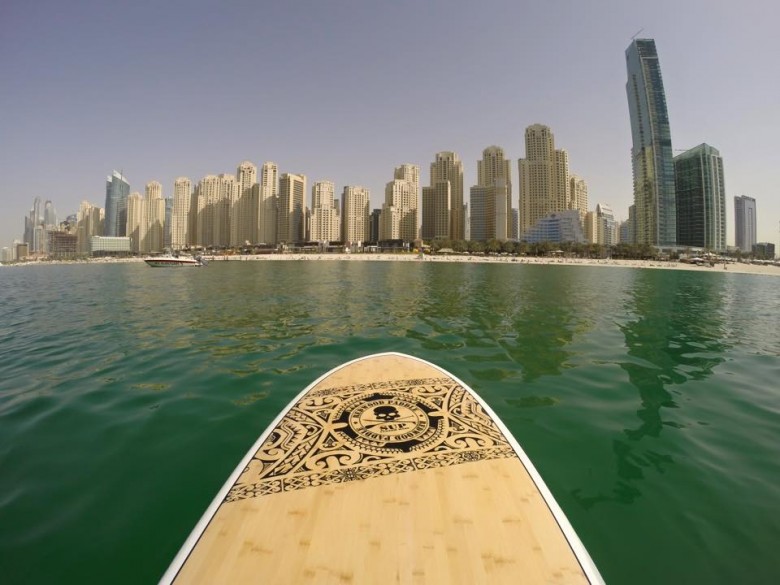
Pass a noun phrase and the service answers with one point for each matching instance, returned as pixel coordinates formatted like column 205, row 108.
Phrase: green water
column 649, row 400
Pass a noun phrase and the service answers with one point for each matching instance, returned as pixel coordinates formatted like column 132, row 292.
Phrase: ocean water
column 649, row 400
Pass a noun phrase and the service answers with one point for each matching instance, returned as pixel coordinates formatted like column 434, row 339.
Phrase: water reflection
column 545, row 324
column 675, row 332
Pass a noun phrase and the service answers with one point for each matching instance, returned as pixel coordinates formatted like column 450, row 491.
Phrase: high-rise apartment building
column 244, row 210
column 34, row 229
column 89, row 222
column 180, row 224
column 155, row 227
column 355, row 218
column 267, row 204
column 491, row 197
column 167, row 229
column 578, row 195
column 325, row 216
column 214, row 196
column 544, row 178
column 651, row 152
column 137, row 222
column 292, row 201
column 606, row 225
column 398, row 220
column 591, row 227
column 745, row 223
column 437, row 211
column 701, row 198
column 117, row 192
column 49, row 216
column 447, row 168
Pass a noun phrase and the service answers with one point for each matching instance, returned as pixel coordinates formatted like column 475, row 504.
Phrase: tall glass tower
column 745, row 222
column 117, row 191
column 701, row 198
column 651, row 153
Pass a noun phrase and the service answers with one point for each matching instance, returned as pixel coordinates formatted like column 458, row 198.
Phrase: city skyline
column 152, row 117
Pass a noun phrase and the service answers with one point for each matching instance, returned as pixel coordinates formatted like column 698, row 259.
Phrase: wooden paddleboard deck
column 387, row 469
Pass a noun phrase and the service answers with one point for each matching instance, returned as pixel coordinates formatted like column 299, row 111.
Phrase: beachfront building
column 355, row 216
column 437, row 211
column 180, row 225
column 267, row 203
column 578, row 195
column 373, row 225
column 137, row 222
column 651, row 151
column 606, row 226
column 34, row 229
column 62, row 244
column 764, row 251
column 591, row 227
column 213, row 198
column 398, row 219
column 155, row 227
column 446, row 176
column 544, row 178
column 325, row 216
column 291, row 225
column 745, row 222
column 89, row 222
column 37, row 224
column 110, row 246
column 557, row 228
column 701, row 198
column 491, row 197
column 117, row 192
column 244, row 208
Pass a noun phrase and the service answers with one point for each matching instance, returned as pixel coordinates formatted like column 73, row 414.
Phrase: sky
column 346, row 90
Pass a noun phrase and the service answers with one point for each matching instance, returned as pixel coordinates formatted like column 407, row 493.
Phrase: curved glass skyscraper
column 651, row 153
column 117, row 192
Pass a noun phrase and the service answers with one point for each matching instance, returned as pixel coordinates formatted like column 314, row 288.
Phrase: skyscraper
column 578, row 195
column 88, row 223
column 544, row 178
column 398, row 220
column 447, row 168
column 136, row 222
column 292, row 201
column 267, row 204
column 214, row 196
column 117, row 192
column 355, row 215
column 180, row 224
column 651, row 153
column 325, row 217
column 49, row 216
column 491, row 197
column 34, row 232
column 244, row 211
column 437, row 211
column 155, row 226
column 745, row 222
column 701, row 198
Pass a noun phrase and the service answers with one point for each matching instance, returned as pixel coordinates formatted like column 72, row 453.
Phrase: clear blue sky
column 346, row 90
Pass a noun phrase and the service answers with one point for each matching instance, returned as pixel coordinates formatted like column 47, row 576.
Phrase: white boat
column 176, row 261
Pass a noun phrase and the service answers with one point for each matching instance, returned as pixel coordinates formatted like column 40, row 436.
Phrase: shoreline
column 733, row 267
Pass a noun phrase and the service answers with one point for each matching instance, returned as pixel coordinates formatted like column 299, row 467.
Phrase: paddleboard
column 387, row 469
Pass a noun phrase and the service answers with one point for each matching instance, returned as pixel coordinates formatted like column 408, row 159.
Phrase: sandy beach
column 733, row 267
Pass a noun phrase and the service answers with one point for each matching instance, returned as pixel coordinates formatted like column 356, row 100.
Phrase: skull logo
column 386, row 413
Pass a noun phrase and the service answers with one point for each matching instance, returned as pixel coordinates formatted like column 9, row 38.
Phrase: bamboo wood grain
column 433, row 516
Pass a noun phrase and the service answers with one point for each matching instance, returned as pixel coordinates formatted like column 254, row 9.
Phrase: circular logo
column 389, row 422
